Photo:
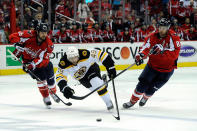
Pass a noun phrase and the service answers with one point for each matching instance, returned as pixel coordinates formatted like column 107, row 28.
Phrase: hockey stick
column 116, row 102
column 38, row 79
column 83, row 97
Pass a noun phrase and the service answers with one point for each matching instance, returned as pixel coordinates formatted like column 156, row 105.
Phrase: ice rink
column 172, row 108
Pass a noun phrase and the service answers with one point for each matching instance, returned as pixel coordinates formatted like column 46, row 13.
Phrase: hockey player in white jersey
column 82, row 65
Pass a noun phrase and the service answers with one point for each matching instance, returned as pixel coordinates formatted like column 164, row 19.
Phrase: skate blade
column 48, row 106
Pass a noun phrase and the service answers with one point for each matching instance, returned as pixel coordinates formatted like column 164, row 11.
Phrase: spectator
column 142, row 33
column 3, row 38
column 89, row 20
column 125, row 36
column 181, row 12
column 173, row 6
column 94, row 6
column 152, row 27
column 187, row 25
column 28, row 15
column 75, row 34
column 87, row 36
column 106, row 7
column 97, row 33
column 108, row 34
column 178, row 30
column 38, row 17
column 61, row 35
column 83, row 10
column 191, row 34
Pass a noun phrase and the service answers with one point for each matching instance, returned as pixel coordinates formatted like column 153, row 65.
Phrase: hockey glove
column 157, row 49
column 111, row 72
column 139, row 59
column 19, row 47
column 68, row 92
column 29, row 66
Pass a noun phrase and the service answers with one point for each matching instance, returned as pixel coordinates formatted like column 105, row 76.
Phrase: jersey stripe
column 41, row 56
column 99, row 53
column 104, row 56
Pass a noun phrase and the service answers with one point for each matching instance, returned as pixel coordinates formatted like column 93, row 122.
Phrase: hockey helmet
column 42, row 27
column 72, row 52
column 164, row 22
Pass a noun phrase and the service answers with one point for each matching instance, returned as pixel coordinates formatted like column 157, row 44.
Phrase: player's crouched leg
column 103, row 92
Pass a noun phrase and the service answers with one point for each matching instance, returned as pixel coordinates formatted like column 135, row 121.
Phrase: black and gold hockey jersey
column 87, row 58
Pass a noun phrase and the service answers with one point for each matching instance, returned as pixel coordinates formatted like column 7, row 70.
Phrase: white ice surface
column 172, row 108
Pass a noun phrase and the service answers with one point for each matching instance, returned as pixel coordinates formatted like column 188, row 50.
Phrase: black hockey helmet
column 42, row 27
column 164, row 22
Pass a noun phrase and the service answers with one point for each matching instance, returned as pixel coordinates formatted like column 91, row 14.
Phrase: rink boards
column 122, row 53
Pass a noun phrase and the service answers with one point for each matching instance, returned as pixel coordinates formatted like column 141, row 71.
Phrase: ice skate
column 143, row 101
column 47, row 102
column 110, row 107
column 55, row 98
column 128, row 105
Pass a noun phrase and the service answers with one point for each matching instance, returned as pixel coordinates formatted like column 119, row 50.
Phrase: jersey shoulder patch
column 84, row 54
column 64, row 63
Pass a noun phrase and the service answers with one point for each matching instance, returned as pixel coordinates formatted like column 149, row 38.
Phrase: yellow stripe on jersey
column 103, row 56
column 61, row 76
column 83, row 60
column 99, row 53
column 69, row 66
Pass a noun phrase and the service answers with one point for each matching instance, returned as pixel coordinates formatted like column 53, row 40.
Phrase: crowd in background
column 110, row 26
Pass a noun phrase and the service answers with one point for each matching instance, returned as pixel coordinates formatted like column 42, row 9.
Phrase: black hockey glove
column 19, row 47
column 139, row 59
column 68, row 92
column 111, row 72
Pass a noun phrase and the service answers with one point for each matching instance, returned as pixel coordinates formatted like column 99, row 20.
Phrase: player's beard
column 41, row 39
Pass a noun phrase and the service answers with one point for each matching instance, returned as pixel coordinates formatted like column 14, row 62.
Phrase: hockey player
column 35, row 48
column 163, row 48
column 82, row 65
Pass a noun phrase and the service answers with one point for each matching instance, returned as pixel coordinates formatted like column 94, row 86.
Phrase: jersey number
column 93, row 53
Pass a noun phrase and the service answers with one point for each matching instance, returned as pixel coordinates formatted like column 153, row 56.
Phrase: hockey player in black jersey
column 82, row 65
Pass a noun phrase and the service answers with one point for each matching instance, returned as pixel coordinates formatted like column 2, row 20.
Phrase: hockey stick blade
column 83, row 97
column 38, row 79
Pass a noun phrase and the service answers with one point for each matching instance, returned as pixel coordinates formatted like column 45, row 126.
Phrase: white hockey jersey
column 86, row 59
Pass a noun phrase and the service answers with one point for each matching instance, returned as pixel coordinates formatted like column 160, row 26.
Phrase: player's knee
column 51, row 81
column 142, row 86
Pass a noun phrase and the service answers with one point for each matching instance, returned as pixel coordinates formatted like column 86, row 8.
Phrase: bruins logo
column 62, row 63
column 84, row 53
column 80, row 72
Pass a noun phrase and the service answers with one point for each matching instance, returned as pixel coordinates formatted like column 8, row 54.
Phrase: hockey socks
column 43, row 89
column 134, row 98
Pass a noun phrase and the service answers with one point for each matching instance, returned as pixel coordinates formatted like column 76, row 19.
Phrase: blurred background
column 86, row 21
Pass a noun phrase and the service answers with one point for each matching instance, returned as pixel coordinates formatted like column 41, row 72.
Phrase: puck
column 98, row 119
